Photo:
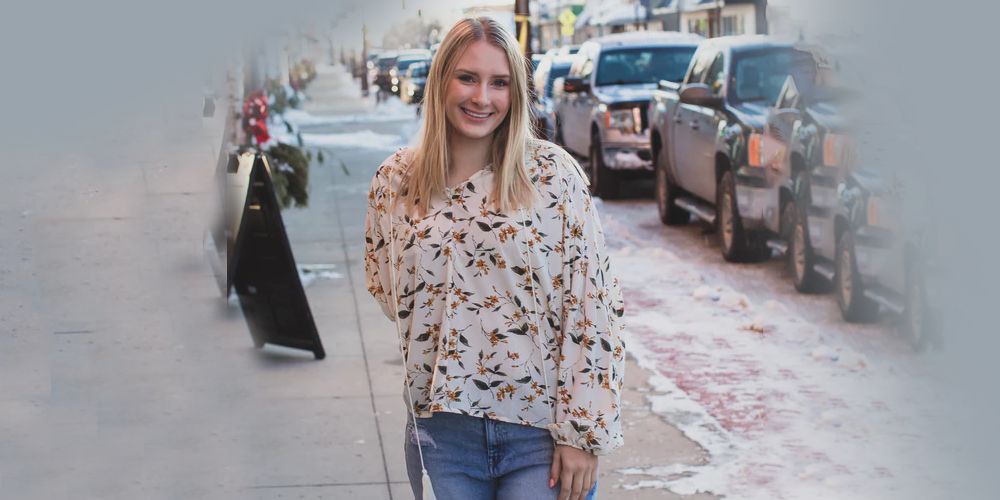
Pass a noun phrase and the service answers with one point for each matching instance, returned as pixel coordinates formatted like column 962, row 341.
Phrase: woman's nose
column 481, row 97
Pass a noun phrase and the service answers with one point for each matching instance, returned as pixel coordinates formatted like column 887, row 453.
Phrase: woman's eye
column 500, row 83
column 465, row 78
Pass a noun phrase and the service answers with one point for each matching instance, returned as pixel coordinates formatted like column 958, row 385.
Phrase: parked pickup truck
column 600, row 106
column 707, row 136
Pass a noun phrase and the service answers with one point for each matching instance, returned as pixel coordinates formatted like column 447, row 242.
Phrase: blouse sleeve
column 377, row 272
column 593, row 354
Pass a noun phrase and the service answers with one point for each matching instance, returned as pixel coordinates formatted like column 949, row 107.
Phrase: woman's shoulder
column 394, row 166
column 555, row 164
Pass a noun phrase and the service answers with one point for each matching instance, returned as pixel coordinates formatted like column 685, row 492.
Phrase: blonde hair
column 431, row 161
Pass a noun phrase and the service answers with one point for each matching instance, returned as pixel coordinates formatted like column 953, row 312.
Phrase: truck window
column 700, row 67
column 760, row 74
column 645, row 65
column 587, row 68
column 716, row 75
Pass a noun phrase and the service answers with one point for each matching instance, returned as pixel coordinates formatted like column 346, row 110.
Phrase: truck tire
column 604, row 183
column 667, row 193
column 918, row 324
column 735, row 243
column 854, row 306
column 801, row 257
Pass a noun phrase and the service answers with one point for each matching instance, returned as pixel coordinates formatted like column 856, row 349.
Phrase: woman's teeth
column 475, row 115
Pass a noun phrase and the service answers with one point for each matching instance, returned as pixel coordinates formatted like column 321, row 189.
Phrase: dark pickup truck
column 707, row 144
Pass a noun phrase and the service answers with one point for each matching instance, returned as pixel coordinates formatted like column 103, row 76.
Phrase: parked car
column 383, row 64
column 601, row 105
column 568, row 50
column 807, row 126
column 548, row 71
column 707, row 140
column 412, row 83
column 536, row 59
column 403, row 64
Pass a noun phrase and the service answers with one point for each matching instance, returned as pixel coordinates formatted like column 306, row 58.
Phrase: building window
column 698, row 26
column 732, row 25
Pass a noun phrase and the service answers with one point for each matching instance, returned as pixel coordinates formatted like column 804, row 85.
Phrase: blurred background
column 797, row 195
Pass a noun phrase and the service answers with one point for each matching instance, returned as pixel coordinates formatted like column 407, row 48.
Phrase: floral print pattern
column 510, row 317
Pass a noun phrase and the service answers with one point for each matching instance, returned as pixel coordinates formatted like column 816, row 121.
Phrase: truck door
column 704, row 123
column 682, row 141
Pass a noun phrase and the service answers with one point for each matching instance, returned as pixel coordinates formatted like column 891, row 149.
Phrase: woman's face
column 478, row 94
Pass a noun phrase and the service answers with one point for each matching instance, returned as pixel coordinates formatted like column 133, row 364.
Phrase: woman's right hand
column 575, row 470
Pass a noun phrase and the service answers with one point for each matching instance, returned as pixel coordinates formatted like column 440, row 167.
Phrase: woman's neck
column 467, row 156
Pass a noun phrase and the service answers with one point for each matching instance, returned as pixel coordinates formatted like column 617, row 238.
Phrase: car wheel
column 667, row 193
column 604, row 184
column 917, row 321
column 736, row 245
column 854, row 306
column 801, row 257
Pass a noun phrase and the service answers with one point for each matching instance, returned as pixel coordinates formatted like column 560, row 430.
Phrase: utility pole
column 522, row 18
column 364, row 58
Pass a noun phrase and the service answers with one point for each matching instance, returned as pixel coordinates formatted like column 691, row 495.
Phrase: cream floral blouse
column 476, row 339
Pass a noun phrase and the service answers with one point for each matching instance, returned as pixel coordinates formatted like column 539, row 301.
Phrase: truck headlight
column 392, row 72
column 395, row 81
column 620, row 119
column 411, row 89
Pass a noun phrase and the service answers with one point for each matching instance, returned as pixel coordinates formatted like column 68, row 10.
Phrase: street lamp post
column 364, row 59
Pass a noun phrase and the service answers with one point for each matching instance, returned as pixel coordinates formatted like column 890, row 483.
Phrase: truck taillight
column 754, row 158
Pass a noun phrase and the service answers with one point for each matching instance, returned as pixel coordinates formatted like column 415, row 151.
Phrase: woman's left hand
column 575, row 470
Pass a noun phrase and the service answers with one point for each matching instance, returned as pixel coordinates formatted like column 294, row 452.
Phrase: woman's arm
column 593, row 355
column 377, row 272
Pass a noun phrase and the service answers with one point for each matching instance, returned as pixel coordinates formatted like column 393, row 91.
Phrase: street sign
column 261, row 267
column 567, row 19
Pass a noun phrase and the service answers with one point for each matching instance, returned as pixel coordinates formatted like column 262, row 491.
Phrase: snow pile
column 783, row 413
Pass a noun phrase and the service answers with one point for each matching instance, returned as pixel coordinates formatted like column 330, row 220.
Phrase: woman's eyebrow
column 473, row 73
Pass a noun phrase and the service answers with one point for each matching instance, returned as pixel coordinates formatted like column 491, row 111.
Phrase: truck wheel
column 917, row 321
column 854, row 306
column 604, row 183
column 736, row 245
column 667, row 193
column 800, row 252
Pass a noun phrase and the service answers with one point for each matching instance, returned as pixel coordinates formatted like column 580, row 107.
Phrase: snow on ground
column 383, row 112
column 363, row 139
column 784, row 410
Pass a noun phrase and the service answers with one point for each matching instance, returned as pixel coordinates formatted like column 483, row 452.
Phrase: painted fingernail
column 552, row 482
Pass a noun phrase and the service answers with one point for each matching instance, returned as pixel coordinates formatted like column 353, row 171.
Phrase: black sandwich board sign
column 260, row 264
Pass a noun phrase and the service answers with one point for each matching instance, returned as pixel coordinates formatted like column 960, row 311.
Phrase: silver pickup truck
column 708, row 148
column 600, row 106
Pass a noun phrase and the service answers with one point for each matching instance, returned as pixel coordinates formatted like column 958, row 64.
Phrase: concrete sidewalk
column 124, row 374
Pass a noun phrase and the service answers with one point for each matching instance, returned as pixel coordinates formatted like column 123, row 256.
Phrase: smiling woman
column 484, row 247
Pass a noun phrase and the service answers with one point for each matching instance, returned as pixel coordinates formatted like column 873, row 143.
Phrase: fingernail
column 552, row 482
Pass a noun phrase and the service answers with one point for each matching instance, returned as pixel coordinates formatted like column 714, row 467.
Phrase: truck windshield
column 758, row 75
column 645, row 65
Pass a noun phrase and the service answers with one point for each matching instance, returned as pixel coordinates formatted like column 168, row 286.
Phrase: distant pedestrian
column 485, row 248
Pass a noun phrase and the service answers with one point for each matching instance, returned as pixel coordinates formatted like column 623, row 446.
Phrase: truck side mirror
column 698, row 94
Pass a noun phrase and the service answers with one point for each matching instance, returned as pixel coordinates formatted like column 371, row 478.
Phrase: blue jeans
column 471, row 458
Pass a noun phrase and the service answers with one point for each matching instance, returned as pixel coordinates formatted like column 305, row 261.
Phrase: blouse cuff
column 586, row 435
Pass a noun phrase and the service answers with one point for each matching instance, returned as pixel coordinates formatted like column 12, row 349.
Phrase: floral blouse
column 476, row 339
